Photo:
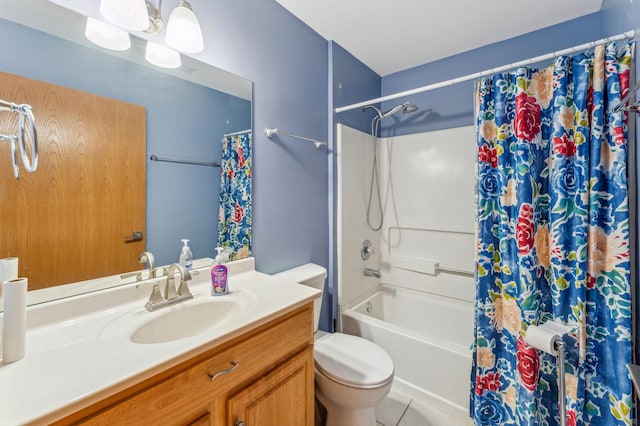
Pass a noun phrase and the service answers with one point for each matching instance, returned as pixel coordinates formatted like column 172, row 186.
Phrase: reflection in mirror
column 93, row 161
column 189, row 111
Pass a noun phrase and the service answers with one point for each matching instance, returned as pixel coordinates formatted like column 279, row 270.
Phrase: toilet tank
column 308, row 274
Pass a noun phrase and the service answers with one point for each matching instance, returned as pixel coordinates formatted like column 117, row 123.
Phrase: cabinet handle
column 234, row 365
column 239, row 423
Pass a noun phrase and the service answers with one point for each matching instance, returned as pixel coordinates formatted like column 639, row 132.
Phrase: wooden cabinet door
column 284, row 397
column 68, row 221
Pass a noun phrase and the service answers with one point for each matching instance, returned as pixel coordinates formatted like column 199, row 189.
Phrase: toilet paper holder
column 548, row 338
column 559, row 345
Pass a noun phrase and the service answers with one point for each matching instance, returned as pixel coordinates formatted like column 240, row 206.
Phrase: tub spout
column 368, row 272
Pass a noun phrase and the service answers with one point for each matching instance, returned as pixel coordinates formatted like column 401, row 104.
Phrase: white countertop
column 79, row 352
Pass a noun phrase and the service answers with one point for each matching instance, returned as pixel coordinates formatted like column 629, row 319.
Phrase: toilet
column 352, row 374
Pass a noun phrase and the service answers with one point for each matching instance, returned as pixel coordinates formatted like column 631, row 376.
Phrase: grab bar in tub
column 430, row 267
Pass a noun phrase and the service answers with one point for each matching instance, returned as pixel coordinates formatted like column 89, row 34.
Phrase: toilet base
column 339, row 416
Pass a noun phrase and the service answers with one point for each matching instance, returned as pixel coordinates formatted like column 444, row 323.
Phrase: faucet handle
column 183, row 289
column 170, row 289
column 138, row 275
column 154, row 299
column 367, row 250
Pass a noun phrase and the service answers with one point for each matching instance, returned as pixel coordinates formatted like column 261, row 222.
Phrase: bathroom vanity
column 266, row 373
column 252, row 365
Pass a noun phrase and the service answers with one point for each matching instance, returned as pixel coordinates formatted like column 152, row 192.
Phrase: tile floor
column 400, row 409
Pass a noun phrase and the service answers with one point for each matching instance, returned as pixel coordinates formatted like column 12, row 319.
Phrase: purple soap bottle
column 219, row 275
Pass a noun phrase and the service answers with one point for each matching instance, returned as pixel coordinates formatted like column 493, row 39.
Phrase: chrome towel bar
column 270, row 132
column 178, row 160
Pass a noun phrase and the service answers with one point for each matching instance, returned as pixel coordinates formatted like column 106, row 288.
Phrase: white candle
column 14, row 321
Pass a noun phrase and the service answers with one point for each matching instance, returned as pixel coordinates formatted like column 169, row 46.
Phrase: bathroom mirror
column 188, row 112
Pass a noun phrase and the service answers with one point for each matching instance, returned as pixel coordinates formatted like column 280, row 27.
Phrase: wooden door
column 284, row 397
column 68, row 221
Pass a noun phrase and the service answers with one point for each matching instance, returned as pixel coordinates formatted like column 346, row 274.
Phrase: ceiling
column 391, row 36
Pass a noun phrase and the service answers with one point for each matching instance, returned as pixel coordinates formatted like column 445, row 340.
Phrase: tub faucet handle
column 367, row 250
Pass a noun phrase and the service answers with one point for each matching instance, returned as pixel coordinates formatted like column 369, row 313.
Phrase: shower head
column 409, row 108
column 406, row 108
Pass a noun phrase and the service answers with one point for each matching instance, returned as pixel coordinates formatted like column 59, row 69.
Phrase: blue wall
column 288, row 63
column 350, row 81
column 177, row 205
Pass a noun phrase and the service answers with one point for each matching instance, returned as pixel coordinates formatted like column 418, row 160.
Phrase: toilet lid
column 353, row 361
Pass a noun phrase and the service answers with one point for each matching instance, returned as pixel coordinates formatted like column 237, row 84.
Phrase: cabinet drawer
column 188, row 393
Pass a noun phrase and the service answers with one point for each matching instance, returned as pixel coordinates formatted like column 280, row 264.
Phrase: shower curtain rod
column 575, row 49
column 237, row 133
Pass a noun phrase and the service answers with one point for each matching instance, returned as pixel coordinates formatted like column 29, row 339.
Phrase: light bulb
column 162, row 56
column 183, row 30
column 128, row 14
column 106, row 35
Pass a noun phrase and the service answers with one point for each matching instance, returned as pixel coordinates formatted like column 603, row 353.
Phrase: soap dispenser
column 186, row 257
column 219, row 275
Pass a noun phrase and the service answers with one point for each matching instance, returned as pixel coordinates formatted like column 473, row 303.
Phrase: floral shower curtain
column 234, row 219
column 553, row 241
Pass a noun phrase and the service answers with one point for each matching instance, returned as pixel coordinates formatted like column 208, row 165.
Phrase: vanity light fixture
column 106, row 35
column 131, row 15
column 183, row 29
column 161, row 55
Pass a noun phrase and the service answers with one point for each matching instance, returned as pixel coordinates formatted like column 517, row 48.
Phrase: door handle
column 135, row 236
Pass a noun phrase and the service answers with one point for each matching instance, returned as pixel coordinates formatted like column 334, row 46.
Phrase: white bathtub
column 427, row 336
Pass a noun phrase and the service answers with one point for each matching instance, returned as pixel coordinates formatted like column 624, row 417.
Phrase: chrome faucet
column 171, row 295
column 183, row 289
column 144, row 258
column 147, row 257
column 368, row 272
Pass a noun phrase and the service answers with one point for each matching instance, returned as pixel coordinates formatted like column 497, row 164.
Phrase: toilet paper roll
column 8, row 269
column 14, row 321
column 546, row 336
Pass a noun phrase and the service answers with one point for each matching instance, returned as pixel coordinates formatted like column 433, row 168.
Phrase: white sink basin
column 182, row 321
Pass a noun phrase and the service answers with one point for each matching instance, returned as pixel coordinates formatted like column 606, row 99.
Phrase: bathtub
column 427, row 336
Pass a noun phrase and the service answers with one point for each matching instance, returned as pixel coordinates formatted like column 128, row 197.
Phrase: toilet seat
column 353, row 361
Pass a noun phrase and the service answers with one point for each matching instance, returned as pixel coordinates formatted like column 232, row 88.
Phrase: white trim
column 580, row 48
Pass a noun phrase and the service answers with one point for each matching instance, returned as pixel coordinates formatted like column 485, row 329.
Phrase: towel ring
column 25, row 131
